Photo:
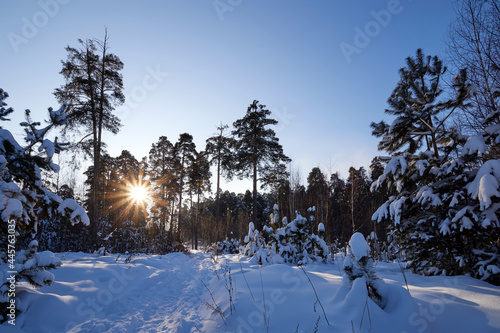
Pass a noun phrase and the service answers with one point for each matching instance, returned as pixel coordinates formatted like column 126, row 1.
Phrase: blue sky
column 190, row 65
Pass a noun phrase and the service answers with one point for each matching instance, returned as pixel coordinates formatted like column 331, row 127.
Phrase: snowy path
column 102, row 294
column 162, row 302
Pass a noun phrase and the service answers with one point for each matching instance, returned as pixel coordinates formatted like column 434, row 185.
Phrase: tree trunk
column 196, row 222
column 254, row 210
column 217, row 198
column 192, row 221
column 97, row 157
column 93, row 110
column 352, row 203
column 181, row 186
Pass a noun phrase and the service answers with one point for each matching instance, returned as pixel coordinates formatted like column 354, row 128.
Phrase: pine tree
column 93, row 89
column 420, row 113
column 358, row 195
column 219, row 149
column 128, row 174
column 444, row 208
column 184, row 153
column 258, row 151
column 163, row 182
column 24, row 201
column 359, row 270
column 199, row 182
column 317, row 192
column 339, row 225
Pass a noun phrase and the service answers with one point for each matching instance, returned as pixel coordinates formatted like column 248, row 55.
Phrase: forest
column 431, row 199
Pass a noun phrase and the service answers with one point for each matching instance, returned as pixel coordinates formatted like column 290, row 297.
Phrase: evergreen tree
column 219, row 149
column 93, row 90
column 317, row 192
column 358, row 195
column 339, row 224
column 199, row 182
column 128, row 176
column 359, row 269
column 258, row 151
column 163, row 182
column 420, row 113
column 444, row 209
column 24, row 201
column 377, row 198
column 184, row 153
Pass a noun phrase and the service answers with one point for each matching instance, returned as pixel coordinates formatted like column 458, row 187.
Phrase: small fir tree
column 23, row 201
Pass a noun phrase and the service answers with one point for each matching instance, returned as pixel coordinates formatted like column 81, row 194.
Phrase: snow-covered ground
column 192, row 293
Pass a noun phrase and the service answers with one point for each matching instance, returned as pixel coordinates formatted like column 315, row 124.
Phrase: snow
column 474, row 145
column 465, row 221
column 6, row 135
column 251, row 228
column 485, row 184
column 47, row 258
column 397, row 163
column 397, row 166
column 11, row 208
column 395, row 209
column 48, row 146
column 359, row 246
column 381, row 213
column 426, row 194
column 421, row 166
column 93, row 293
column 78, row 213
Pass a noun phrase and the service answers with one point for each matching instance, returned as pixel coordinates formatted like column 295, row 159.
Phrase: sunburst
column 132, row 195
column 139, row 193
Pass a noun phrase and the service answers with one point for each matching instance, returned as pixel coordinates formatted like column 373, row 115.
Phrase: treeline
column 182, row 206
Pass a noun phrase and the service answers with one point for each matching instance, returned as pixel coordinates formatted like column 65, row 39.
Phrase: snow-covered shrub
column 293, row 243
column 366, row 296
column 255, row 246
column 229, row 246
column 23, row 201
column 359, row 265
column 129, row 237
column 160, row 243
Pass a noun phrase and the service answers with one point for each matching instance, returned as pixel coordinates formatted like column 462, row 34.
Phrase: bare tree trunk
column 217, row 198
column 196, row 222
column 181, row 187
column 254, row 211
column 97, row 157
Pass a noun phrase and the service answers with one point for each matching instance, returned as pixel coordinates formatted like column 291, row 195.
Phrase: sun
column 132, row 195
column 138, row 193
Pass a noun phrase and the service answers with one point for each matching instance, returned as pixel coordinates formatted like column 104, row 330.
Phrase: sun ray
column 131, row 196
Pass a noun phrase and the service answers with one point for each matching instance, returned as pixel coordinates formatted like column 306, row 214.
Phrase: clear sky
column 324, row 68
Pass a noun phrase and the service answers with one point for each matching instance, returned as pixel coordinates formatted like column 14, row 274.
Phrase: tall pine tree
column 184, row 154
column 93, row 89
column 259, row 154
column 219, row 149
column 163, row 182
